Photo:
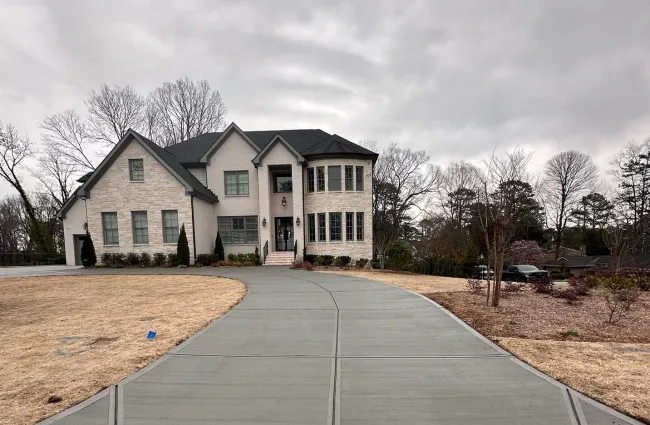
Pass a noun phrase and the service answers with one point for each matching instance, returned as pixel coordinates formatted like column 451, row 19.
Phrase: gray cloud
column 453, row 78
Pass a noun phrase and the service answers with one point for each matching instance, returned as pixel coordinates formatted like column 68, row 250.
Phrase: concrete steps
column 279, row 258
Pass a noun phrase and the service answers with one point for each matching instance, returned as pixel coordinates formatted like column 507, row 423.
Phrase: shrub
column 88, row 256
column 221, row 263
column 257, row 256
column 172, row 259
column 337, row 262
column 592, row 281
column 570, row 295
column 542, row 284
column 309, row 258
column 132, row 259
column 400, row 256
column 375, row 264
column 579, row 286
column 361, row 263
column 218, row 248
column 619, row 292
column 344, row 260
column 326, row 260
column 235, row 264
column 248, row 264
column 302, row 265
column 570, row 334
column 512, row 287
column 107, row 259
column 206, row 259
column 145, row 259
column 183, row 248
column 474, row 286
column 641, row 277
column 159, row 259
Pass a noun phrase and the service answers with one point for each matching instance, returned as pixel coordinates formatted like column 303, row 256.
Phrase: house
column 272, row 190
column 587, row 264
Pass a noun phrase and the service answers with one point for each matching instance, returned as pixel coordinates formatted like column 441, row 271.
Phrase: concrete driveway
column 312, row 348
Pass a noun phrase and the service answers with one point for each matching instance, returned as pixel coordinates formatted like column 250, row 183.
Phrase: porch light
column 264, row 222
column 297, row 221
column 284, row 201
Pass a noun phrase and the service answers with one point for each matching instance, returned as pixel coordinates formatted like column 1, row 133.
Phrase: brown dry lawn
column 419, row 283
column 608, row 362
column 111, row 314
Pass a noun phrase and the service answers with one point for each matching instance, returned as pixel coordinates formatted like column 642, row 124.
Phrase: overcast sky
column 451, row 77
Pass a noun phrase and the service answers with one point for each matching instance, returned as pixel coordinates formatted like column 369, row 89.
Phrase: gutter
column 193, row 228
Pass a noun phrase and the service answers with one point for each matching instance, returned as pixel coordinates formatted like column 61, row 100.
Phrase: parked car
column 481, row 272
column 523, row 273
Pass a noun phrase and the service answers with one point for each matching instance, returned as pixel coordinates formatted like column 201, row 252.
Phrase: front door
column 284, row 233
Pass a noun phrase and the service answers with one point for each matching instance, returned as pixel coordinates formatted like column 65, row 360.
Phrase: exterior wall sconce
column 264, row 222
column 297, row 221
column 284, row 201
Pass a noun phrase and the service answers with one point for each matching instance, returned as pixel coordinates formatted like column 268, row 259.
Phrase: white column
column 264, row 207
column 298, row 210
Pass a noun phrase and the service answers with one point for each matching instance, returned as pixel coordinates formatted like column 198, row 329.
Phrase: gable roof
column 310, row 143
column 278, row 139
column 192, row 185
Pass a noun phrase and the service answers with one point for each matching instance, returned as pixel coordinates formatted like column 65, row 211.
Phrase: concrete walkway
column 314, row 348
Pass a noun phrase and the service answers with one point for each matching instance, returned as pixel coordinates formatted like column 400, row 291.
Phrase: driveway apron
column 317, row 348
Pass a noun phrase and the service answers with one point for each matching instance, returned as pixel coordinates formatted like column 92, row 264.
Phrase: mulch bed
column 541, row 316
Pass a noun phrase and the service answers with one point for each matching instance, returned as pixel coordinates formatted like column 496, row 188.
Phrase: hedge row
column 330, row 260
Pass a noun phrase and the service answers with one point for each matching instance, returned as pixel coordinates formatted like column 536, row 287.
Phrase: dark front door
column 283, row 233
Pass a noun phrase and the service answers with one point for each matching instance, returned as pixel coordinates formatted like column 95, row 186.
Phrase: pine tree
column 183, row 248
column 218, row 248
column 88, row 256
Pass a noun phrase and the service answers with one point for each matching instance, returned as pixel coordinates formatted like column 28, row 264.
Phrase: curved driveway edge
column 320, row 348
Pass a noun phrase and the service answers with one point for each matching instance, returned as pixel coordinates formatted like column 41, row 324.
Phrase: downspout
column 193, row 228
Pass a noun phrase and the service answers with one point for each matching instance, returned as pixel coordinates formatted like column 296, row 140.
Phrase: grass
column 571, row 343
column 67, row 337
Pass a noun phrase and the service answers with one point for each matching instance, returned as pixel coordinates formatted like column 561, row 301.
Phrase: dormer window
column 136, row 170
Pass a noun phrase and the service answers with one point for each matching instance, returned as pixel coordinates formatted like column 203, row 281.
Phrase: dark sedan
column 523, row 273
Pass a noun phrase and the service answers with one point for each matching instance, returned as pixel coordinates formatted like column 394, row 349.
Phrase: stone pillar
column 298, row 210
column 264, row 208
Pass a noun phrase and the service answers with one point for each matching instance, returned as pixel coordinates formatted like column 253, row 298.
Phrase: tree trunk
column 498, row 263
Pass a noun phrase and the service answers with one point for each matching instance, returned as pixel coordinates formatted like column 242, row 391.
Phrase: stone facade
column 340, row 201
column 114, row 192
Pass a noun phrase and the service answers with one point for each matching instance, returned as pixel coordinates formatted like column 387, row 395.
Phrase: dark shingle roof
column 308, row 143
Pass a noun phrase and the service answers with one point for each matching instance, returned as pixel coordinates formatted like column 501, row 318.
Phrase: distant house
column 584, row 265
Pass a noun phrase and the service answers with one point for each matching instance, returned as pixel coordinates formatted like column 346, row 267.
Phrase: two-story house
column 270, row 190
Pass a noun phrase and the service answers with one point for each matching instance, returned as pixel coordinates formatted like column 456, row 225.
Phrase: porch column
column 298, row 210
column 264, row 208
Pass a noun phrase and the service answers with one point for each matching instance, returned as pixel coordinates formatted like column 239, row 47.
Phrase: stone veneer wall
column 343, row 201
column 114, row 192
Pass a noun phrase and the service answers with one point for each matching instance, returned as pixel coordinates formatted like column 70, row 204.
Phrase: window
column 109, row 224
column 136, row 170
column 170, row 226
column 238, row 230
column 349, row 178
column 311, row 225
column 334, row 177
column 283, row 183
column 359, row 226
column 140, row 227
column 321, row 178
column 322, row 235
column 236, row 183
column 310, row 179
column 349, row 226
column 359, row 178
column 335, row 226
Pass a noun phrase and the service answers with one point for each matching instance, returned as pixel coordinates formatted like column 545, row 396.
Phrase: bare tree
column 113, row 110
column 459, row 184
column 496, row 210
column 568, row 176
column 184, row 109
column 56, row 175
column 13, row 233
column 620, row 238
column 14, row 150
column 67, row 134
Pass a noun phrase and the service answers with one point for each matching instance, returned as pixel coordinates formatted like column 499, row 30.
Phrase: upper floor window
column 109, row 226
column 170, row 226
column 349, row 177
column 310, row 180
column 140, row 227
column 136, row 170
column 334, row 177
column 359, row 178
column 321, row 178
column 236, row 182
column 283, row 183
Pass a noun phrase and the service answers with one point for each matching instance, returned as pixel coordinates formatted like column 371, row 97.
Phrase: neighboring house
column 583, row 265
column 261, row 189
